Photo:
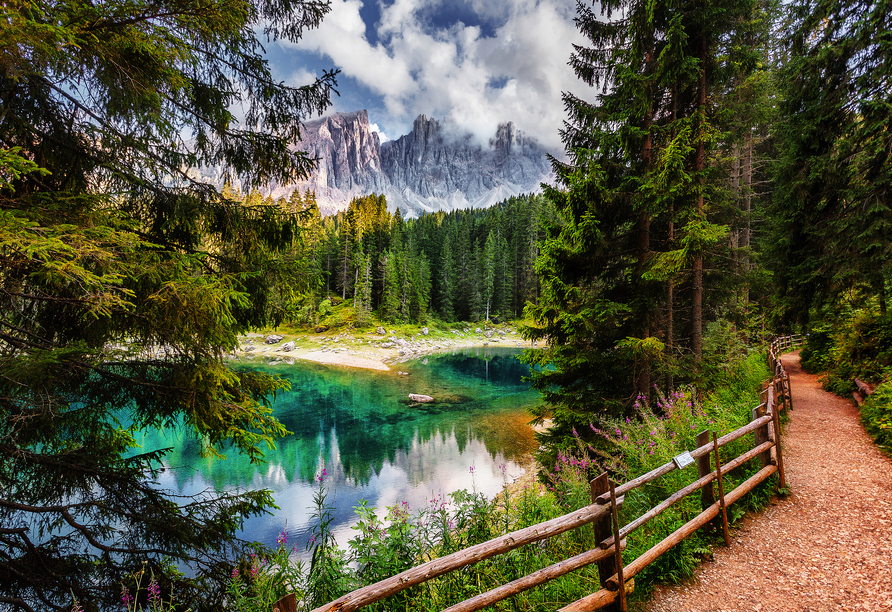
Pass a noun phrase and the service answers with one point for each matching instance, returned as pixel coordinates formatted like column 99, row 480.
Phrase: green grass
column 650, row 437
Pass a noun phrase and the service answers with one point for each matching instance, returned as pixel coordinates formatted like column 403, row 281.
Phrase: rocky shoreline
column 375, row 349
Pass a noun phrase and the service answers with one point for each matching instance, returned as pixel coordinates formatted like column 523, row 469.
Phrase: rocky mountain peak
column 434, row 167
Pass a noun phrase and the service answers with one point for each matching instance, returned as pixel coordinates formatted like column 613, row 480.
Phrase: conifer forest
column 726, row 175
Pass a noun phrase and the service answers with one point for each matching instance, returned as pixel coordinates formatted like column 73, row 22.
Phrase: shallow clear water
column 372, row 441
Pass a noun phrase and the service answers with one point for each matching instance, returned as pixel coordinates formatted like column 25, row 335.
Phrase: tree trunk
column 644, row 376
column 747, row 208
column 699, row 165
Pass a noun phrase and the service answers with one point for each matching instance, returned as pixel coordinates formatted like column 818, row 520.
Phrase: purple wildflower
column 155, row 591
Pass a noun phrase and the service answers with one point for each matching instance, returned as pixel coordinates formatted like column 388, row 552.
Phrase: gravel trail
column 825, row 547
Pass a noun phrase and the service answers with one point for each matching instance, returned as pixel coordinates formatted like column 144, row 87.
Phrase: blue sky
column 473, row 62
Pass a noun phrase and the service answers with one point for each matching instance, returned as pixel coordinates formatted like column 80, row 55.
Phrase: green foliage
column 816, row 354
column 876, row 414
column 397, row 538
column 859, row 345
column 464, row 265
column 831, row 214
column 649, row 228
column 327, row 578
column 124, row 281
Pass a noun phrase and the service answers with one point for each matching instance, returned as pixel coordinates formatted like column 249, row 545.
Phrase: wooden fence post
column 618, row 549
column 602, row 527
column 707, row 498
column 788, row 392
column 778, row 386
column 761, row 434
column 287, row 604
column 718, row 475
column 775, row 416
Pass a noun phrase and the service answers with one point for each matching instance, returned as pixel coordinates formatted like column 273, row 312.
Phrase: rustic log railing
column 607, row 497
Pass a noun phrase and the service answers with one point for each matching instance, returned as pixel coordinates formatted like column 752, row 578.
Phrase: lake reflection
column 373, row 443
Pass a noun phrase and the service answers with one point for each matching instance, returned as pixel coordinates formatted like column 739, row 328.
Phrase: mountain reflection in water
column 372, row 441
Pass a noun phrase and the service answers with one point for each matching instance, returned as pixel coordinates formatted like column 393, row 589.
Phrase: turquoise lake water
column 374, row 444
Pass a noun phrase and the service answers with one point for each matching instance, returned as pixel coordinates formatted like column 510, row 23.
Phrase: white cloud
column 381, row 135
column 474, row 80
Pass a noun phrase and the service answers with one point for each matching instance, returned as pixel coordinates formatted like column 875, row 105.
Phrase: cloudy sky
column 477, row 62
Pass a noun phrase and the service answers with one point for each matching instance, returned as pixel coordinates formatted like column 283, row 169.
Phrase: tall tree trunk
column 670, row 305
column 644, row 375
column 699, row 166
column 736, row 234
column 747, row 188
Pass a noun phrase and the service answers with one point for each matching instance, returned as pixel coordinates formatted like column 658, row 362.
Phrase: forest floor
column 827, row 546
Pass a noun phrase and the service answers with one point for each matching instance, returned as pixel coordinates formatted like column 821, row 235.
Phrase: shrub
column 876, row 415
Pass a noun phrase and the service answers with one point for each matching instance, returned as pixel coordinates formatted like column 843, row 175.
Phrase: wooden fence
column 607, row 497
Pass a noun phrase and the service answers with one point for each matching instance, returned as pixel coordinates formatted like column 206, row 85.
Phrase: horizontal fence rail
column 602, row 513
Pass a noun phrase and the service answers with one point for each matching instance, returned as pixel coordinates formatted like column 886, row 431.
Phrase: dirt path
column 827, row 546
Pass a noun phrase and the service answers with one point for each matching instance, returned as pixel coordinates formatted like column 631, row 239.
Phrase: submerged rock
column 421, row 399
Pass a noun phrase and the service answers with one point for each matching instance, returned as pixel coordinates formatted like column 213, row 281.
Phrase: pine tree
column 362, row 300
column 447, row 279
column 636, row 207
column 390, row 301
column 124, row 281
column 488, row 276
column 832, row 213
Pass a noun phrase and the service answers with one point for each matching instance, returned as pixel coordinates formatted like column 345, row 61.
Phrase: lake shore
column 372, row 350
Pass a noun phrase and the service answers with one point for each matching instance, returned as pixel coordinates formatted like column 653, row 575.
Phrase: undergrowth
column 858, row 345
column 876, row 415
column 388, row 542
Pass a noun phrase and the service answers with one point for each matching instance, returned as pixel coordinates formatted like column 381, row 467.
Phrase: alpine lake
column 373, row 443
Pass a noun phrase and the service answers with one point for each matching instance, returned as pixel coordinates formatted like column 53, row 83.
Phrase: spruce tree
column 637, row 200
column 124, row 282
column 832, row 211
column 446, row 279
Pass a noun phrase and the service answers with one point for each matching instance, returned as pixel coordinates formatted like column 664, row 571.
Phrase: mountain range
column 434, row 167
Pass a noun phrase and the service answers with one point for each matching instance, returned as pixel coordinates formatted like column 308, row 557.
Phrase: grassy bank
column 400, row 537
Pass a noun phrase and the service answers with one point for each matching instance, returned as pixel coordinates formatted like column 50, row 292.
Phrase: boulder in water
column 421, row 399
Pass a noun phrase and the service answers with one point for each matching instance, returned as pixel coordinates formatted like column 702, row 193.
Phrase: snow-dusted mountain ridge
column 434, row 167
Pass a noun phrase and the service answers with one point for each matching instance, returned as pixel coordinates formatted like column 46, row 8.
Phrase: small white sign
column 683, row 460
